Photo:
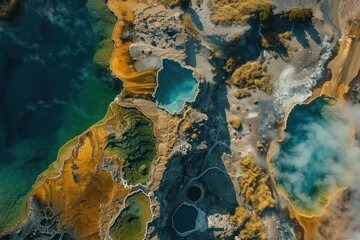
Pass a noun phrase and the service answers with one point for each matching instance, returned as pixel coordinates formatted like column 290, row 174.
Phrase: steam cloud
column 319, row 160
column 349, row 211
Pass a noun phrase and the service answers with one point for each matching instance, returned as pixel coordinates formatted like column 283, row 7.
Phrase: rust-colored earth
column 135, row 83
column 85, row 194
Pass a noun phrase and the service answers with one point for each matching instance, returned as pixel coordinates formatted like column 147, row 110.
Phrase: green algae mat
column 137, row 146
column 132, row 221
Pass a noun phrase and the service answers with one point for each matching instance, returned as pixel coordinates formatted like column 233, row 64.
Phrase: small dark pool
column 184, row 219
column 193, row 193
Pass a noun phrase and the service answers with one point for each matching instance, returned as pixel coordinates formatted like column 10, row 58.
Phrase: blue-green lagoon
column 314, row 158
column 53, row 85
column 176, row 85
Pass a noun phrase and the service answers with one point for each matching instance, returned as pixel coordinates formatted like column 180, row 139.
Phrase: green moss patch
column 136, row 145
column 132, row 221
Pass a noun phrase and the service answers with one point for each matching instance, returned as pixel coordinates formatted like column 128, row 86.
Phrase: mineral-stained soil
column 135, row 83
column 88, row 190
column 126, row 176
column 346, row 65
column 86, row 195
column 132, row 221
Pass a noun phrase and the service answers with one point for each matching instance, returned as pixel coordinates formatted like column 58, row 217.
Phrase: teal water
column 184, row 219
column 50, row 91
column 176, row 86
column 315, row 156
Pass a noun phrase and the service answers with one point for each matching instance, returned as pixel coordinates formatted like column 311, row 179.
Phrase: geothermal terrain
column 180, row 119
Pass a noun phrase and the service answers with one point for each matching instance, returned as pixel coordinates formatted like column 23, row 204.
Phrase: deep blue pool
column 184, row 219
column 176, row 86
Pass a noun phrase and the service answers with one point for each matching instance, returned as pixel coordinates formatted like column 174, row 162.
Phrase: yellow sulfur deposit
column 254, row 229
column 240, row 216
column 235, row 123
column 235, row 10
column 252, row 75
column 254, row 188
